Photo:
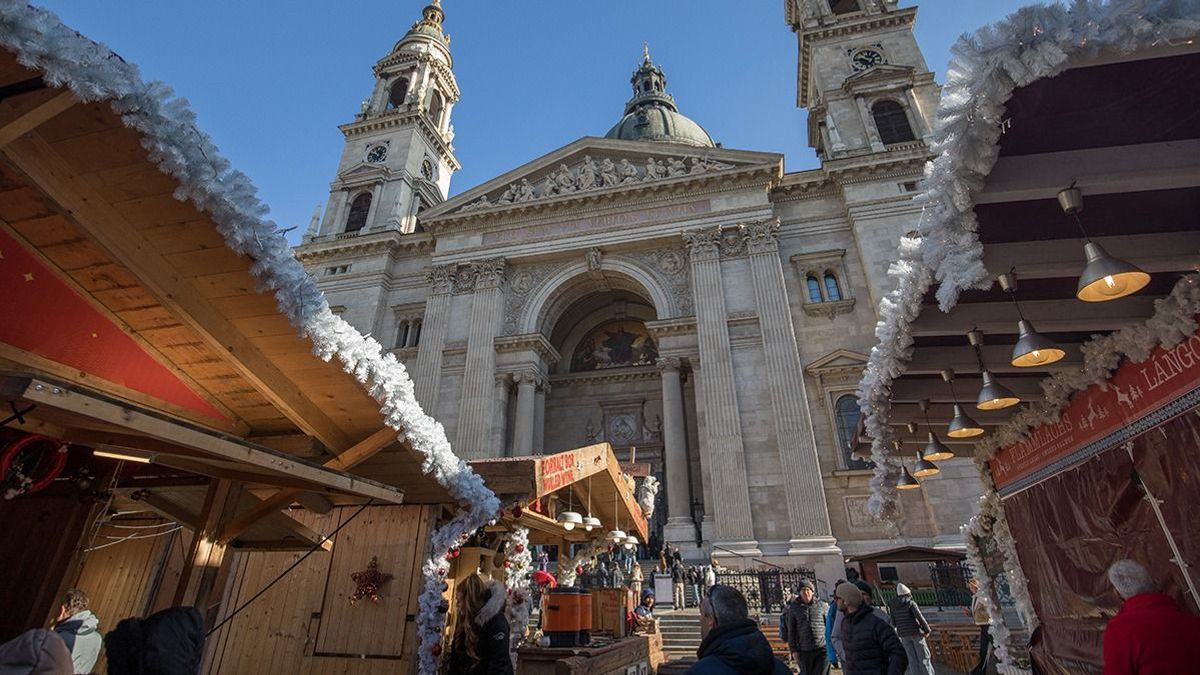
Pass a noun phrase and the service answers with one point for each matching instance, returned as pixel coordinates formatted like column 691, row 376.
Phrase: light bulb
column 568, row 526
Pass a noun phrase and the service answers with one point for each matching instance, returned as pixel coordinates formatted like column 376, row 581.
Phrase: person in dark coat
column 732, row 644
column 481, row 631
column 871, row 644
column 1149, row 635
column 36, row 652
column 170, row 642
column 804, row 629
column 912, row 628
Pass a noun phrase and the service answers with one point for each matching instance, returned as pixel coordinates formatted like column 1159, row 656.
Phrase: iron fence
column 950, row 584
column 766, row 591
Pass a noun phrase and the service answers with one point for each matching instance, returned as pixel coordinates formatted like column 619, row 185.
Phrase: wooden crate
column 610, row 606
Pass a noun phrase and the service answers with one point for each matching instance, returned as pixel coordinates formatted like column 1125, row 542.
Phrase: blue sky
column 271, row 79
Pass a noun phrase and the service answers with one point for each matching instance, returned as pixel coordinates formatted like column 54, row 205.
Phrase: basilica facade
column 693, row 305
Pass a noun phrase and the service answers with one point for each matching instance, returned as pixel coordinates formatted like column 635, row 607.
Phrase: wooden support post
column 205, row 556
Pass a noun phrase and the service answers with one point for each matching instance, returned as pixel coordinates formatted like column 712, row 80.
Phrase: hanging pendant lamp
column 570, row 518
column 924, row 467
column 962, row 425
column 1104, row 277
column 993, row 395
column 590, row 522
column 906, row 481
column 934, row 450
column 616, row 535
column 1032, row 348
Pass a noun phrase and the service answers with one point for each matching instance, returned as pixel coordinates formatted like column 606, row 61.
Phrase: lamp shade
column 962, row 426
column 935, row 451
column 1033, row 348
column 631, row 541
column 995, row 396
column 925, row 468
column 1107, row 278
column 616, row 536
column 569, row 519
column 907, row 482
column 590, row 522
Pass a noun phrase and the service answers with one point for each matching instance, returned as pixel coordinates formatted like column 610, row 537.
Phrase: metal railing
column 766, row 591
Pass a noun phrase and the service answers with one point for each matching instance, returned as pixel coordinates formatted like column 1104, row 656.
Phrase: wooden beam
column 302, row 531
column 81, row 403
column 204, row 553
column 361, row 451
column 169, row 509
column 56, row 177
column 1050, row 316
column 933, row 360
column 1063, row 258
column 19, row 117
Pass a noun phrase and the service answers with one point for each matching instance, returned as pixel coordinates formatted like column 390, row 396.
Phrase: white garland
column 567, row 574
column 519, row 585
column 647, row 496
column 168, row 131
column 1033, row 43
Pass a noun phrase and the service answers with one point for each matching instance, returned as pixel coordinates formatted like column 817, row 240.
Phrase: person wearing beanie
column 804, row 630
column 912, row 628
column 870, row 643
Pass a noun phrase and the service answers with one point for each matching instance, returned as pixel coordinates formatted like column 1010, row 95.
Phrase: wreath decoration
column 30, row 464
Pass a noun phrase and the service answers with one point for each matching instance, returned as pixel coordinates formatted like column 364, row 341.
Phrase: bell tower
column 398, row 156
column 862, row 77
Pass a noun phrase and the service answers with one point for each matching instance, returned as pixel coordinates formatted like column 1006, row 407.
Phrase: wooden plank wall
column 304, row 625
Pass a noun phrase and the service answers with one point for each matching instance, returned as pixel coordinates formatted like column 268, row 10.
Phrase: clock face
column 427, row 169
column 865, row 58
column 377, row 154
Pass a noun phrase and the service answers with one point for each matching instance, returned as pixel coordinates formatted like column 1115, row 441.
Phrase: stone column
column 539, row 419
column 722, row 424
column 335, row 213
column 920, row 128
column 500, row 416
column 376, row 196
column 527, row 382
column 479, row 375
column 869, row 124
column 679, row 527
column 785, row 381
column 427, row 373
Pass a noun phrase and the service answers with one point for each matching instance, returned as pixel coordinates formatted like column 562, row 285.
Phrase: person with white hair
column 1149, row 635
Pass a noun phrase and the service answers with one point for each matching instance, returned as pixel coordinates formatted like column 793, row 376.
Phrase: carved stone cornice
column 762, row 236
column 461, row 278
column 829, row 310
column 532, row 342
column 911, row 162
column 803, row 188
column 684, row 325
column 392, row 242
column 634, row 374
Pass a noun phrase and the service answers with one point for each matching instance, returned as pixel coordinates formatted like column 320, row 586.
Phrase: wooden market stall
column 1084, row 425
column 182, row 442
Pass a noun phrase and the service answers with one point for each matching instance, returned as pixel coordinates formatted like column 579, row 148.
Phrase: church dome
column 651, row 115
column 430, row 26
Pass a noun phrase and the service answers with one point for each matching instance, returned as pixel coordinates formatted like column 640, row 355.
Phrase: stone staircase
column 680, row 631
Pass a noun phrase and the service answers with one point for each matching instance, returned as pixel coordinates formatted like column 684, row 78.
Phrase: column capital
column 489, row 273
column 762, row 235
column 667, row 364
column 529, row 376
column 441, row 278
column 704, row 243
column 503, row 378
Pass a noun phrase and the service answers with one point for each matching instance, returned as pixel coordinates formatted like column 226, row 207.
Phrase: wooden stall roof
column 592, row 471
column 114, row 290
column 909, row 554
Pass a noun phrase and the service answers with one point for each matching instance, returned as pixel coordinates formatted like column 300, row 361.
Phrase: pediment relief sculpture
column 595, row 175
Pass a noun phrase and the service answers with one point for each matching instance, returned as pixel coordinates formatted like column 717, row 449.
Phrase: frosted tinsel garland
column 168, row 131
column 518, row 583
column 647, row 496
column 976, row 534
column 566, row 573
column 898, row 309
column 1033, row 43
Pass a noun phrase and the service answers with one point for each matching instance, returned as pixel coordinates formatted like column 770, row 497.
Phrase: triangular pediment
column 837, row 360
column 363, row 171
column 593, row 166
column 884, row 73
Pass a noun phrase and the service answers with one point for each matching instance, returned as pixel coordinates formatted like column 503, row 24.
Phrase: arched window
column 402, row 332
column 359, row 208
column 397, row 93
column 833, row 292
column 892, row 122
column 436, row 105
column 814, row 289
column 415, row 333
column 843, row 6
column 847, row 413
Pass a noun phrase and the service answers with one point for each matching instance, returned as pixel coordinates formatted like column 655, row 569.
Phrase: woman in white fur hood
column 481, row 631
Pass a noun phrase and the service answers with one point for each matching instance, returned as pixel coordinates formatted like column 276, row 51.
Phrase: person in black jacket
column 912, row 628
column 804, row 629
column 170, row 642
column 481, row 631
column 732, row 644
column 871, row 644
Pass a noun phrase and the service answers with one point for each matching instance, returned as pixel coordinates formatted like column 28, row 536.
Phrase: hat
column 647, row 593
column 901, row 589
column 863, row 587
column 804, row 583
column 849, row 593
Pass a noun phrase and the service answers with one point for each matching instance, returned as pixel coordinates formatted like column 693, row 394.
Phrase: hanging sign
column 1138, row 397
